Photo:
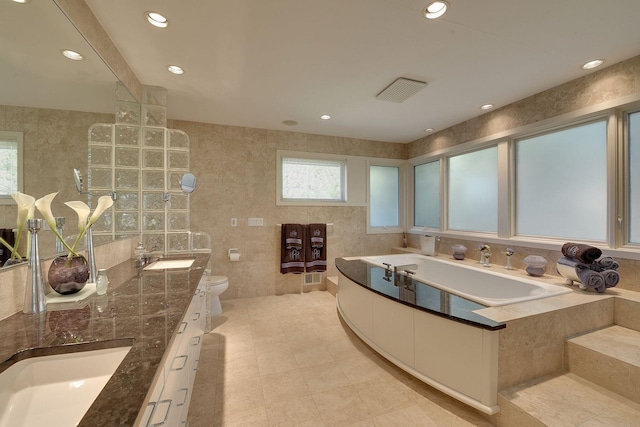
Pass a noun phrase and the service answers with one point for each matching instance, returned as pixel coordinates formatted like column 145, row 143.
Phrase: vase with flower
column 69, row 274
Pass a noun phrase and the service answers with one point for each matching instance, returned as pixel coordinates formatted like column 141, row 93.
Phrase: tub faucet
column 403, row 279
column 387, row 272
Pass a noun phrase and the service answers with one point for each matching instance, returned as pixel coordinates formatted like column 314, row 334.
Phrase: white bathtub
column 482, row 285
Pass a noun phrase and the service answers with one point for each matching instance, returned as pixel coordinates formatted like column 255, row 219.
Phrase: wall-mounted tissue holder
column 234, row 254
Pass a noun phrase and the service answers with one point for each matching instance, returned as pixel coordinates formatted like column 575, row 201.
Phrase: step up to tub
column 564, row 400
column 332, row 285
column 609, row 357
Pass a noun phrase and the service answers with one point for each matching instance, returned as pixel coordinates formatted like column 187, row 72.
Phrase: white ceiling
column 256, row 63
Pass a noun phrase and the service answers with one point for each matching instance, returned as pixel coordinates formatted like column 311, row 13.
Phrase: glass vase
column 68, row 275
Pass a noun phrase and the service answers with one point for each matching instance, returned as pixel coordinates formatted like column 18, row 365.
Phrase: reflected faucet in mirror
column 77, row 176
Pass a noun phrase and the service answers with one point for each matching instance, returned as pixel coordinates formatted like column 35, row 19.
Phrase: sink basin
column 165, row 264
column 55, row 390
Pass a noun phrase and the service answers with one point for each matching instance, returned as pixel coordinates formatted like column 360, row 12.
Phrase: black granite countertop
column 141, row 309
column 416, row 294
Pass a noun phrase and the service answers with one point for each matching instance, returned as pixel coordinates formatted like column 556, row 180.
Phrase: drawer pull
column 167, row 405
column 196, row 339
column 183, row 327
column 196, row 316
column 197, row 364
column 183, row 361
column 184, row 397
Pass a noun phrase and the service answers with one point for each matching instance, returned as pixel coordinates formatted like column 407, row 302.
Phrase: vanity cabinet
column 168, row 400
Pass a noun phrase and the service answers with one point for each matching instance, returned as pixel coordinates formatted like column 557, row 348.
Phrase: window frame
column 354, row 179
column 17, row 137
column 616, row 244
column 402, row 196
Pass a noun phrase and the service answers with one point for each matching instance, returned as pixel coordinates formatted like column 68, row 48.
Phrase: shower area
column 142, row 162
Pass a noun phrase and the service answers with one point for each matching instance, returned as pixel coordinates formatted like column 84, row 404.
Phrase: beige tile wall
column 236, row 171
column 54, row 141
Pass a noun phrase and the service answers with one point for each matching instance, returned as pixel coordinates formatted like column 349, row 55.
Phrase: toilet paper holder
column 234, row 254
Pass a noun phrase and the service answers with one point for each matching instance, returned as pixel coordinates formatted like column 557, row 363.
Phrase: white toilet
column 216, row 285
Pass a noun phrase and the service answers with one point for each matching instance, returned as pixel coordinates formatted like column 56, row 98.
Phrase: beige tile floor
column 289, row 361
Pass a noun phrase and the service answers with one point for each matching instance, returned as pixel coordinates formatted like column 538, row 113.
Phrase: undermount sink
column 165, row 264
column 55, row 390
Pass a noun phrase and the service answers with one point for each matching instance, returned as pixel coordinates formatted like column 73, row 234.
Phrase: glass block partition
column 143, row 162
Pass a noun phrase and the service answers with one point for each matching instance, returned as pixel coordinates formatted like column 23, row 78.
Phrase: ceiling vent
column 401, row 90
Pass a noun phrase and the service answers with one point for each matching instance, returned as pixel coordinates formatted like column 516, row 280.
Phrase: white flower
column 104, row 203
column 43, row 205
column 84, row 220
column 82, row 210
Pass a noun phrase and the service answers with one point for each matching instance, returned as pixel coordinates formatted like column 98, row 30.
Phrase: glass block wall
column 143, row 162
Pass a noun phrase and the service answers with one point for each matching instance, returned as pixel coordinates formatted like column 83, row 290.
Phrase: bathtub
column 482, row 285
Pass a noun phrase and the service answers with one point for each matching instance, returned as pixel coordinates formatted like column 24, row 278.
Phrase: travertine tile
column 294, row 412
column 324, row 377
column 284, row 386
column 343, row 406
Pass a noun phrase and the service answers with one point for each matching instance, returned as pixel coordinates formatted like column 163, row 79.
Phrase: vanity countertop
column 141, row 309
column 418, row 295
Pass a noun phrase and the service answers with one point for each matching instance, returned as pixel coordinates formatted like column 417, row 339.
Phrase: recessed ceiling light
column 156, row 19
column 429, row 130
column 20, row 1
column 592, row 64
column 487, row 106
column 325, row 117
column 175, row 69
column 435, row 9
column 72, row 54
column 289, row 122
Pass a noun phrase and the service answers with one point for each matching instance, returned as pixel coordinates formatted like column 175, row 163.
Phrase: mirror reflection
column 188, row 183
column 52, row 101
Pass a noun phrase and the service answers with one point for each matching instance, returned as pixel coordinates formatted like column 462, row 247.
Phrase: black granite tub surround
column 141, row 308
column 416, row 294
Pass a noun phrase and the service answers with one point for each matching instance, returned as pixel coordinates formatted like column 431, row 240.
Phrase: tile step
column 332, row 285
column 609, row 357
column 564, row 400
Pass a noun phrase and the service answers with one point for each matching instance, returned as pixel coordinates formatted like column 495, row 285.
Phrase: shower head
column 77, row 177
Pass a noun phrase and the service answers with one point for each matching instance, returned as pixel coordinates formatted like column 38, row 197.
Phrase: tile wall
column 236, row 171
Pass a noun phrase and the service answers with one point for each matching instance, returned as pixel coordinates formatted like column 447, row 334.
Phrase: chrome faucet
column 484, row 255
column 387, row 272
column 403, row 279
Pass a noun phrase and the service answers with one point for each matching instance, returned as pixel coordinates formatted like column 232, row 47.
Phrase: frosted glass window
column 384, row 196
column 634, row 177
column 561, row 183
column 473, row 191
column 10, row 165
column 426, row 178
column 311, row 179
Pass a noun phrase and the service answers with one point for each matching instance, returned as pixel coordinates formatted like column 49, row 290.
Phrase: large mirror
column 52, row 101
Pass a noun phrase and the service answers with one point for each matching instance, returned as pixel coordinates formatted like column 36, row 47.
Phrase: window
column 384, row 196
column 10, row 165
column 313, row 179
column 633, row 164
column 426, row 195
column 561, row 183
column 473, row 191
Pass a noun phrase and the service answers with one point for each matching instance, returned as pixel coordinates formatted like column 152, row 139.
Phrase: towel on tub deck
column 316, row 248
column 292, row 249
column 585, row 253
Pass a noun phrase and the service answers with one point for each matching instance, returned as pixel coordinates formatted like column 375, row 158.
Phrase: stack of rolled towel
column 592, row 269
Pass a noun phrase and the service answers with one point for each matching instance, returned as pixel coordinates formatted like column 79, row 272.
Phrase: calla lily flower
column 43, row 205
column 84, row 220
column 104, row 203
column 82, row 210
column 26, row 206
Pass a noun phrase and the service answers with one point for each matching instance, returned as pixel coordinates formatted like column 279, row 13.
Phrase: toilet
column 216, row 285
